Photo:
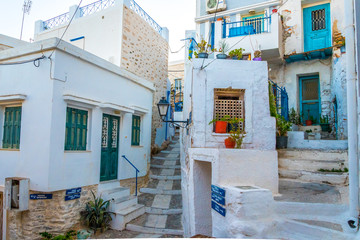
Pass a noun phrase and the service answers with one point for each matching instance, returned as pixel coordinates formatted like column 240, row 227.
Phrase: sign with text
column 217, row 198
column 72, row 196
column 40, row 196
column 73, row 191
column 218, row 190
column 218, row 208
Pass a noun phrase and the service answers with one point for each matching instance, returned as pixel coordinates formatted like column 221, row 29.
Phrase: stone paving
column 162, row 199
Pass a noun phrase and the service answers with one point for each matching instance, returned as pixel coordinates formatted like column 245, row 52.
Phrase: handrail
column 247, row 27
column 136, row 172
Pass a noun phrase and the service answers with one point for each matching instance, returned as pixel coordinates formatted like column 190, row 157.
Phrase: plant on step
column 96, row 215
column 223, row 47
column 294, row 117
column 324, row 119
column 257, row 54
column 238, row 137
column 272, row 102
column 324, row 123
column 203, row 47
column 333, row 170
column 282, row 126
column 67, row 236
column 236, row 53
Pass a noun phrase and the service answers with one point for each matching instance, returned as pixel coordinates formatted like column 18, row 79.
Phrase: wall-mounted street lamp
column 163, row 107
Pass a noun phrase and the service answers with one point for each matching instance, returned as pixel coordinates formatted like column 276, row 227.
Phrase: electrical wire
column 35, row 61
column 177, row 50
column 78, row 6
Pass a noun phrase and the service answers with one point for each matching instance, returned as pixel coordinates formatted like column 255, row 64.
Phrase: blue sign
column 217, row 198
column 217, row 190
column 72, row 196
column 72, row 191
column 40, row 196
column 218, row 208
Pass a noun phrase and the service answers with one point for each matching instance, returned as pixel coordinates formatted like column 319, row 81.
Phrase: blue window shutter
column 135, row 131
column 12, row 128
column 76, row 129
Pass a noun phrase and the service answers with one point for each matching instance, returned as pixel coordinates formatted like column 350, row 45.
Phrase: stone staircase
column 162, row 197
column 304, row 165
column 122, row 204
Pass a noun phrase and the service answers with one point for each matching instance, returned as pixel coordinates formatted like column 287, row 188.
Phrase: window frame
column 76, row 146
column 17, row 139
column 137, row 129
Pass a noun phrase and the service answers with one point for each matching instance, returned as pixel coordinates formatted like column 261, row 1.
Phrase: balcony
column 247, row 27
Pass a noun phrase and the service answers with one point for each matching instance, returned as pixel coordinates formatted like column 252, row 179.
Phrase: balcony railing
column 95, row 7
column 56, row 21
column 136, row 8
column 247, row 27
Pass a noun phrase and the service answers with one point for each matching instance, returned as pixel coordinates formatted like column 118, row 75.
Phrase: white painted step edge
column 141, row 229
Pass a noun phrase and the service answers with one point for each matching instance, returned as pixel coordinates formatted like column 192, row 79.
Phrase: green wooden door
column 109, row 147
column 310, row 98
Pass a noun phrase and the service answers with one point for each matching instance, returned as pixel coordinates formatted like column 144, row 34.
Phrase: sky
column 176, row 15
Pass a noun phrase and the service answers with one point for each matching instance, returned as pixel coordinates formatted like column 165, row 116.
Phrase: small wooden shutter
column 76, row 129
column 12, row 126
column 135, row 136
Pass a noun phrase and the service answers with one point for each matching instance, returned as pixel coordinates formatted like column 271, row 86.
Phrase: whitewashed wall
column 92, row 84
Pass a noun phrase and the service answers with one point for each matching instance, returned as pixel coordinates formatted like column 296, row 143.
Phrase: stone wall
column 55, row 215
column 145, row 53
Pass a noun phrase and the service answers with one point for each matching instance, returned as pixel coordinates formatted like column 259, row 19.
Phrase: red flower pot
column 274, row 10
column 220, row 127
column 308, row 122
column 229, row 143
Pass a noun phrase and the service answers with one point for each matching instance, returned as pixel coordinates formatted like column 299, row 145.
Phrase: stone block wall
column 55, row 216
column 145, row 53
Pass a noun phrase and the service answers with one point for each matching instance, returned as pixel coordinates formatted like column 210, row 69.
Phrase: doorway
column 109, row 147
column 310, row 106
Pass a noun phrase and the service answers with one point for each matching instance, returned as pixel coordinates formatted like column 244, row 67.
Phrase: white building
column 69, row 119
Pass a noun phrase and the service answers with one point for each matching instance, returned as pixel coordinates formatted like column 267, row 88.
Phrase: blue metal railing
column 95, row 7
column 56, row 21
column 136, row 172
column 282, row 100
column 247, row 27
column 136, row 8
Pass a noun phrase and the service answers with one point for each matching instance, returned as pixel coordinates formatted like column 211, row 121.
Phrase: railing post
column 136, row 182
column 72, row 11
column 39, row 26
column 224, row 28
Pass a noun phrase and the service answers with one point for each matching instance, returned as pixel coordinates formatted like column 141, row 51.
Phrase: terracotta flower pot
column 229, row 143
column 308, row 122
column 220, row 127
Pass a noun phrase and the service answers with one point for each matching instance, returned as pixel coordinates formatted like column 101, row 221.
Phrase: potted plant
column 235, row 139
column 309, row 121
column 282, row 127
column 223, row 48
column 96, row 215
column 233, row 124
column 203, row 49
column 257, row 55
column 324, row 124
column 220, row 124
column 236, row 53
column 295, row 119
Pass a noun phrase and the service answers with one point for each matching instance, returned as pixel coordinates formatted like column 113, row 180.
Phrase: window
column 229, row 102
column 135, row 133
column 76, row 129
column 12, row 125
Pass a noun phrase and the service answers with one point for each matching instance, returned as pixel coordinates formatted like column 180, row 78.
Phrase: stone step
column 115, row 193
column 313, row 154
column 317, row 177
column 152, row 210
column 164, row 177
column 310, row 165
column 160, row 191
column 108, row 185
column 122, row 203
column 165, row 158
column 136, row 228
column 126, row 215
column 295, row 230
column 165, row 166
column 171, row 151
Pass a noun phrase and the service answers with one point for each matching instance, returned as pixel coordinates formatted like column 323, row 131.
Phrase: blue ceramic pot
column 203, row 55
column 221, row 56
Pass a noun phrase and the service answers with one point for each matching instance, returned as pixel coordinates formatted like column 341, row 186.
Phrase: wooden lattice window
column 228, row 101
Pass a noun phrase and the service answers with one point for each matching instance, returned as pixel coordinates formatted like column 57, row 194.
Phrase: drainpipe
column 352, row 116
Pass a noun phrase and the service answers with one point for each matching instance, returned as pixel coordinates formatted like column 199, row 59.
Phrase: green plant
column 294, row 117
column 236, row 52
column 312, row 119
column 272, row 102
column 226, row 118
column 282, row 126
column 223, row 47
column 238, row 137
column 257, row 54
column 324, row 119
column 203, row 47
column 68, row 236
column 333, row 170
column 96, row 215
column 308, row 131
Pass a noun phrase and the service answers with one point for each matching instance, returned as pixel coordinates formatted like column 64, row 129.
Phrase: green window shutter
column 12, row 127
column 76, row 129
column 135, row 133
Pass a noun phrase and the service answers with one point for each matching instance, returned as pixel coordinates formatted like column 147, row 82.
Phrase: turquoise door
column 310, row 99
column 317, row 28
column 109, row 147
